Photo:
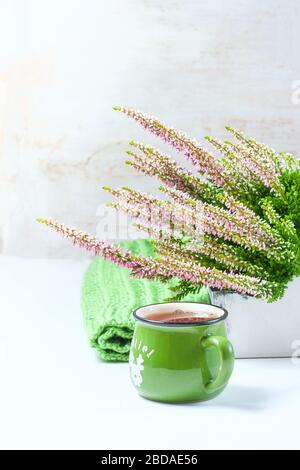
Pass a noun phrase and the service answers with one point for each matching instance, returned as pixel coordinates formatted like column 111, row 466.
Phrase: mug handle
column 226, row 354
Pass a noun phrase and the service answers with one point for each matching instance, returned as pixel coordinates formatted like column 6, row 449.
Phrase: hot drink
column 179, row 316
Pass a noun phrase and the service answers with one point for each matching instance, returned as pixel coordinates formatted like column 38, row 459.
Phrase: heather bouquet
column 233, row 224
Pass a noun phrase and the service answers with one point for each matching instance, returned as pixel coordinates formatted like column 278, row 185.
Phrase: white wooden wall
column 197, row 64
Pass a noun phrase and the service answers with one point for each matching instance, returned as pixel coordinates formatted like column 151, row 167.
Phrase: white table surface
column 55, row 392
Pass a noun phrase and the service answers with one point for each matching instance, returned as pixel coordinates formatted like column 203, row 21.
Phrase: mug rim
column 180, row 325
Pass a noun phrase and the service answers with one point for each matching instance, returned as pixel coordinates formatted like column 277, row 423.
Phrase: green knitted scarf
column 110, row 294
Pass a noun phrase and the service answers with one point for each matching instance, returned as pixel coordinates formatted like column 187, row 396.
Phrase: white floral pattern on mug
column 136, row 369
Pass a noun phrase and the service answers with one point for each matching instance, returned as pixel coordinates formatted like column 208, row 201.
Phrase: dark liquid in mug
column 179, row 316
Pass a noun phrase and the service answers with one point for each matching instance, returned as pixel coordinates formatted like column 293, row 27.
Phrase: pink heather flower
column 162, row 269
column 258, row 161
column 228, row 226
column 211, row 248
column 189, row 270
column 155, row 163
column 202, row 159
column 142, row 267
column 241, row 174
column 159, row 213
column 166, row 169
column 179, row 196
column 195, row 220
column 242, row 212
column 269, row 154
column 247, row 216
column 165, row 233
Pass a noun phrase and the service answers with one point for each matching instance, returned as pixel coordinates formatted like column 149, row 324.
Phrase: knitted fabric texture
column 110, row 294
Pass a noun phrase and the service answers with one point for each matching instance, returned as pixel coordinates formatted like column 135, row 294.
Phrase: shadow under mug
column 180, row 362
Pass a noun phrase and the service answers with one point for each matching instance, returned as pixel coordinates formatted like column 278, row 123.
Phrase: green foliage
column 245, row 204
column 181, row 290
column 282, row 213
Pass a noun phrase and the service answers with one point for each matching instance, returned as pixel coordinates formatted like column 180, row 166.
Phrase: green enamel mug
column 180, row 362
